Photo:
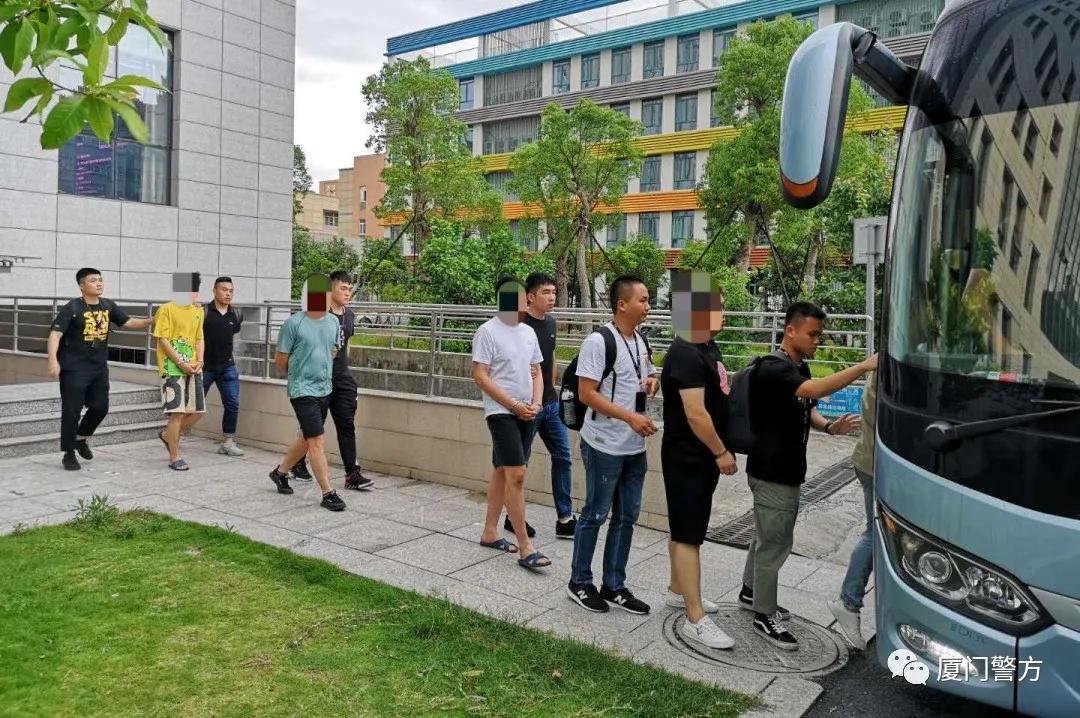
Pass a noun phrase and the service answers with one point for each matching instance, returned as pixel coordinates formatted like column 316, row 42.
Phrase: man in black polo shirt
column 220, row 325
column 78, row 349
column 693, row 455
column 343, row 396
column 783, row 396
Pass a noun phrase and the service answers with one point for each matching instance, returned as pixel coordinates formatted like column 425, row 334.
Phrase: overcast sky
column 338, row 44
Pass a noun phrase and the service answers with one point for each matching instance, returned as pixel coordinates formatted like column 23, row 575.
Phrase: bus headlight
column 960, row 581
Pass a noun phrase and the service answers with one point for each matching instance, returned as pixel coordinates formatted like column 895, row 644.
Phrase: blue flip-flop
column 532, row 561
column 501, row 545
column 179, row 465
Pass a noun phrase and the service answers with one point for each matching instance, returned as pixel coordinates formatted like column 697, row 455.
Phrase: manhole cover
column 820, row 652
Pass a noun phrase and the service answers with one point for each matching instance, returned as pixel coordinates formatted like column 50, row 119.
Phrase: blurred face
column 223, row 292
column 697, row 307
column 543, row 299
column 511, row 303
column 92, row 285
column 341, row 293
column 804, row 336
column 636, row 307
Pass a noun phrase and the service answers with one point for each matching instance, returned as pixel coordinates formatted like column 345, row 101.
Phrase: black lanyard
column 635, row 357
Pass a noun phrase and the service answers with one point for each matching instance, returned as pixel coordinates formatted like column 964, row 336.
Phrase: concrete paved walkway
column 424, row 537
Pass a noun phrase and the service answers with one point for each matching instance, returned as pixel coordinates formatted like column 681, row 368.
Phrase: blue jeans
column 228, row 382
column 862, row 556
column 613, row 484
column 557, row 440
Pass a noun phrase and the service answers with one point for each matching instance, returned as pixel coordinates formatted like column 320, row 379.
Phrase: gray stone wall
column 231, row 171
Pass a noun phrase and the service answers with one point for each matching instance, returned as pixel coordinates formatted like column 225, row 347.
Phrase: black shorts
column 689, row 483
column 311, row 413
column 511, row 440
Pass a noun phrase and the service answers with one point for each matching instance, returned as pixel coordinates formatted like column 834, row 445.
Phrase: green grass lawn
column 141, row 614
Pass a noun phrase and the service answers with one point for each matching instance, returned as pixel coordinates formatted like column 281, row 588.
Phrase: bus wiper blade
column 946, row 436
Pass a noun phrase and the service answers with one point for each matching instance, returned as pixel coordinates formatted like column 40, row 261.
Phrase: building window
column 361, row 228
column 508, row 135
column 686, row 112
column 721, row 41
column 620, row 66
column 649, row 225
column 1032, row 273
column 714, row 112
column 652, row 115
column 653, row 65
column 121, row 167
column 1055, row 137
column 685, row 170
column 650, row 174
column 525, row 232
column 590, row 71
column 1045, row 197
column 616, row 232
column 513, row 86
column 1007, row 186
column 622, row 107
column 1025, row 365
column 560, row 77
column 891, row 18
column 1018, row 231
column 1006, row 338
column 500, row 181
column 810, row 17
column 330, row 218
column 469, row 133
column 985, row 143
column 466, row 98
column 363, row 198
column 1030, row 143
column 682, row 228
column 688, row 52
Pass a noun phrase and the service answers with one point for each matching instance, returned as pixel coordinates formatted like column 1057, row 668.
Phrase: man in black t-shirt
column 78, row 349
column 783, row 396
column 343, row 395
column 540, row 298
column 693, row 454
column 220, row 324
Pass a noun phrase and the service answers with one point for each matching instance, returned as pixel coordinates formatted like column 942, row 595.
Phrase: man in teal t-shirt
column 306, row 347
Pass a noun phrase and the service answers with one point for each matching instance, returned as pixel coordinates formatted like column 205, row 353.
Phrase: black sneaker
column 772, row 630
column 624, row 600
column 333, row 502
column 281, row 481
column 357, row 481
column 84, row 449
column 746, row 602
column 70, row 462
column 586, row 596
column 565, row 529
column 300, row 472
column 510, row 527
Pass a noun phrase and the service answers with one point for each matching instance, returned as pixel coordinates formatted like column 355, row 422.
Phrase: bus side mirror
column 815, row 104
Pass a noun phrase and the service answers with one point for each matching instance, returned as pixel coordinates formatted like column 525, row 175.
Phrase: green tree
column 638, row 255
column 43, row 35
column 310, row 256
column 301, row 180
column 431, row 172
column 579, row 165
column 384, row 271
column 461, row 267
column 741, row 183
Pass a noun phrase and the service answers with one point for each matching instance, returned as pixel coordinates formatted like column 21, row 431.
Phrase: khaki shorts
column 183, row 394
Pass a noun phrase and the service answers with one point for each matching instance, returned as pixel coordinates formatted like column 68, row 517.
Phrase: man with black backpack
column 615, row 375
column 782, row 399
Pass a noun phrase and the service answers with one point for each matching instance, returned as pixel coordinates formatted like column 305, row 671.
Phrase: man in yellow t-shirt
column 178, row 327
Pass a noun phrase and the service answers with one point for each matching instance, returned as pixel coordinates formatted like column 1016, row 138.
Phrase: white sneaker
column 707, row 634
column 850, row 624
column 230, row 449
column 675, row 600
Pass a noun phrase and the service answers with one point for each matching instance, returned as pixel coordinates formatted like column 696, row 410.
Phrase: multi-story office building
column 345, row 207
column 652, row 59
column 210, row 192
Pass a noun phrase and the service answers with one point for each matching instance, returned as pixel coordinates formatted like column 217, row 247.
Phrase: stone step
column 50, row 443
column 38, row 424
column 34, row 399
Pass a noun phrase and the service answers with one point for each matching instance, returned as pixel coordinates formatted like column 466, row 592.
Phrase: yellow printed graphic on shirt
column 96, row 325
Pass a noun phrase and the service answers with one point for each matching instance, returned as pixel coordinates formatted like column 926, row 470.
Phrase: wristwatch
column 828, row 425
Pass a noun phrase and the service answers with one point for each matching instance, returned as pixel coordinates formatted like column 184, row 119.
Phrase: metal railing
column 426, row 348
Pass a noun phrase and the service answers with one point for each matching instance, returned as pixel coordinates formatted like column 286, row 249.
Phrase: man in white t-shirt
column 613, row 447
column 506, row 367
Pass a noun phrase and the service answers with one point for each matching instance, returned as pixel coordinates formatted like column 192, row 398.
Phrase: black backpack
column 741, row 437
column 571, row 409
